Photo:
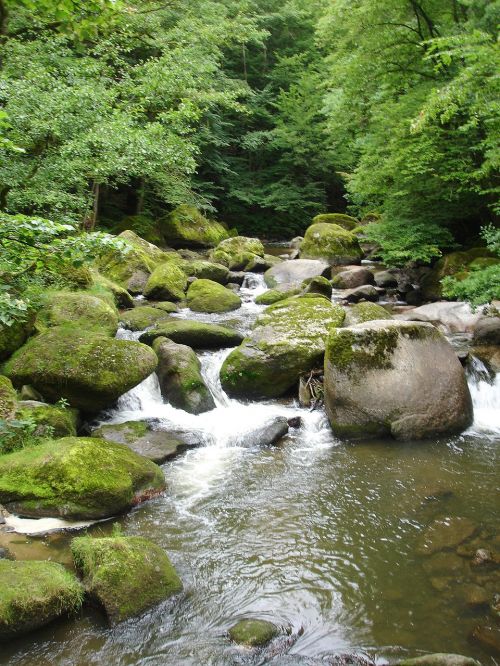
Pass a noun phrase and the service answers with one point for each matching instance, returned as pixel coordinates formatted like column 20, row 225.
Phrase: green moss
column 451, row 264
column 330, row 242
column 50, row 420
column 165, row 306
column 194, row 334
column 237, row 253
column 167, row 282
column 345, row 221
column 142, row 317
column 125, row 433
column 104, row 288
column 127, row 575
column 253, row 633
column 76, row 478
column 78, row 309
column 33, row 594
column 8, row 398
column 274, row 296
column 363, row 312
column 14, row 336
column 206, row 270
column 209, row 296
column 187, row 227
column 88, row 369
column 317, row 285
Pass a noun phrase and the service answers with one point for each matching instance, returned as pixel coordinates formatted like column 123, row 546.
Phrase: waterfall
column 485, row 391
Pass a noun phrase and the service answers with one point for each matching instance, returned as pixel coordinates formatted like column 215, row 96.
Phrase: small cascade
column 485, row 392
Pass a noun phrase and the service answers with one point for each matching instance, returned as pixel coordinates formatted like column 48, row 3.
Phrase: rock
column 127, row 575
column 76, row 477
column 488, row 637
column 167, row 282
column 365, row 293
column 317, row 285
column 209, row 296
column 179, row 372
column 206, row 270
column 352, row 277
column 78, row 309
column 150, row 250
column 360, row 313
column 34, row 594
column 445, row 533
column 288, row 340
column 349, row 659
column 143, row 317
column 259, row 264
column 451, row 317
column 8, row 398
column 450, row 264
column 236, row 277
column 345, row 221
column 483, row 556
column 267, row 434
column 273, row 296
column 475, row 596
column 121, row 296
column 487, row 331
column 234, row 287
column 238, row 252
column 295, row 422
column 295, row 242
column 155, row 445
column 194, row 334
column 445, row 564
column 440, row 659
column 253, row 633
column 187, row 227
column 14, row 336
column 27, row 392
column 50, row 420
column 291, row 274
column 331, row 243
column 490, row 355
column 386, row 279
column 88, row 369
column 142, row 224
column 394, row 378
column 166, row 306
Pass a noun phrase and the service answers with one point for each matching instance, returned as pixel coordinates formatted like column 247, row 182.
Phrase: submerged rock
column 238, row 253
column 394, row 378
column 127, row 575
column 332, row 243
column 209, row 296
column 187, row 227
column 291, row 274
column 82, row 478
column 194, row 334
column 488, row 637
column 167, row 282
column 253, row 633
column 440, row 659
column 445, row 533
column 33, row 594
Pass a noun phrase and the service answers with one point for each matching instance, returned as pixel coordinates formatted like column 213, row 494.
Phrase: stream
column 316, row 535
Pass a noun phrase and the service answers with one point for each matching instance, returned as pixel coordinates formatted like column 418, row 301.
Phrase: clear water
column 315, row 534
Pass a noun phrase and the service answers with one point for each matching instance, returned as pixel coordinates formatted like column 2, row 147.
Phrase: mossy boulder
column 14, row 336
column 290, row 275
column 287, row 341
column 317, row 285
column 454, row 263
column 142, row 225
column 167, row 282
column 121, row 297
column 345, row 221
column 209, row 296
column 127, row 575
column 8, row 398
column 238, row 253
column 76, row 477
column 394, row 378
column 179, row 372
column 331, row 243
column 186, row 227
column 253, row 633
column 51, row 420
column 89, row 370
column 143, row 316
column 32, row 594
column 206, row 270
column 194, row 334
column 79, row 309
column 274, row 296
column 359, row 313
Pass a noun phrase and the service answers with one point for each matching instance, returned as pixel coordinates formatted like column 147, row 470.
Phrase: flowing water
column 317, row 535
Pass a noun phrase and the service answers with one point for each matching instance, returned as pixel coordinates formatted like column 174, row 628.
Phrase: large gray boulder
column 352, row 277
column 450, row 317
column 394, row 378
column 291, row 274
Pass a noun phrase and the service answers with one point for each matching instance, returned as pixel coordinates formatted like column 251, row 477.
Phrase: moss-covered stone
column 89, row 370
column 121, row 297
column 143, row 316
column 253, row 633
column 317, row 285
column 179, row 372
column 127, row 575
column 287, row 341
column 50, row 420
column 206, row 270
column 454, row 263
column 141, row 224
column 155, row 445
column 82, row 478
column 274, row 296
column 14, row 336
column 362, row 312
column 79, row 309
column 332, row 243
column 8, row 398
column 166, row 306
column 186, row 227
column 167, row 282
column 32, row 594
column 194, row 334
column 237, row 253
column 209, row 296
column 345, row 221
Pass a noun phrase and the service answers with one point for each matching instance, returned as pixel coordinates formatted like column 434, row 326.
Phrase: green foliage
column 15, row 434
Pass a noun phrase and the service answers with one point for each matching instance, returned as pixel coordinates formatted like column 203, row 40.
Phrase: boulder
column 76, row 477
column 120, row 295
column 179, row 372
column 487, row 331
column 288, row 340
column 186, row 227
column 194, row 334
column 489, row 354
column 331, row 243
column 386, row 279
column 79, row 309
column 14, row 336
column 440, row 659
column 209, row 296
column 267, row 434
column 365, row 293
column 345, row 221
column 445, row 533
column 167, row 282
column 272, row 296
column 206, row 270
column 253, row 633
column 8, row 398
column 352, row 277
column 237, row 253
column 454, row 263
column 126, row 575
column 50, row 420
column 89, row 370
column 34, row 594
column 450, row 317
column 317, row 285
column 394, row 378
column 143, row 317
column 291, row 274
column 359, row 313
column 488, row 638
column 166, row 306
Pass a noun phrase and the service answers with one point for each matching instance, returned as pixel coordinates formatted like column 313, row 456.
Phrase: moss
column 187, row 227
column 165, row 306
column 274, row 296
column 76, row 478
column 167, row 282
column 330, row 242
column 8, row 398
column 363, row 312
column 206, row 270
column 253, row 633
column 142, row 317
column 451, row 264
column 88, row 369
column 50, row 420
column 33, row 594
column 317, row 285
column 127, row 575
column 209, row 296
column 345, row 221
column 14, row 336
column 238, row 252
column 79, row 309
column 103, row 286
column 194, row 334
column 150, row 250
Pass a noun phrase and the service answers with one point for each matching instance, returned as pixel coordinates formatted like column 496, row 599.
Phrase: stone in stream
column 76, row 477
column 209, row 296
column 272, row 296
column 332, row 243
column 451, row 317
column 206, row 270
column 440, row 659
column 352, row 277
column 359, row 313
column 366, row 292
column 186, row 227
column 345, row 221
column 121, row 296
column 291, row 274
column 238, row 253
column 266, row 434
column 32, row 594
column 392, row 378
column 445, row 564
column 127, row 575
column 88, row 369
column 317, row 285
column 445, row 533
column 79, row 309
column 475, row 596
column 386, row 279
column 195, row 334
column 142, row 317
column 167, row 282
column 179, row 373
column 253, row 632
column 488, row 638
column 287, row 341
column 48, row 420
